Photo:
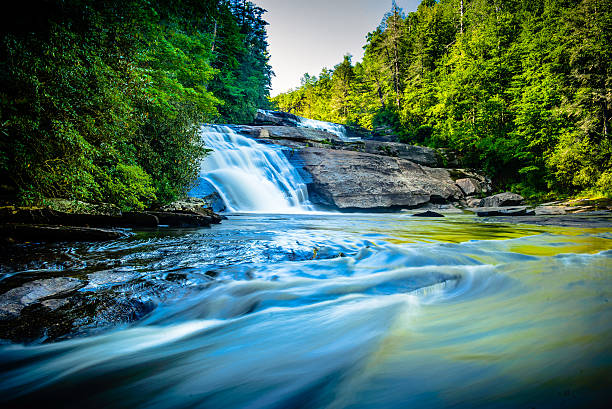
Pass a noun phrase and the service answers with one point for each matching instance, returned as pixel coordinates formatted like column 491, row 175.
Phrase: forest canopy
column 519, row 88
column 101, row 100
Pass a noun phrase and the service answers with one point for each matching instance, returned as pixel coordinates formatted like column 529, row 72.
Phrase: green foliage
column 131, row 186
column 101, row 101
column 518, row 88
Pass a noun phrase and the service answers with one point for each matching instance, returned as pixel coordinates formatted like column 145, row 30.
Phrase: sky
column 305, row 36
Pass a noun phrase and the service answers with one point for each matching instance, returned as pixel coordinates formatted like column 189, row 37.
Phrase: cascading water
column 336, row 129
column 301, row 122
column 250, row 176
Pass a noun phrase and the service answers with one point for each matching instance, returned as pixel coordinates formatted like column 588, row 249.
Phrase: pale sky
column 306, row 36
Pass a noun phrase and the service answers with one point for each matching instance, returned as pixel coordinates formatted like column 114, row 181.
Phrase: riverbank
column 64, row 220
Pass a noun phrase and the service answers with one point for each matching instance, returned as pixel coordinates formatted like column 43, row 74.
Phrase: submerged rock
column 428, row 213
column 14, row 301
column 551, row 210
column 502, row 211
column 180, row 219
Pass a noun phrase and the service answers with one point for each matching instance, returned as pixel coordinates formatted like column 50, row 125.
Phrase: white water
column 336, row 129
column 332, row 128
column 250, row 176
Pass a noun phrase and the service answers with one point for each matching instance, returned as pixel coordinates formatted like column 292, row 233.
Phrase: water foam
column 249, row 176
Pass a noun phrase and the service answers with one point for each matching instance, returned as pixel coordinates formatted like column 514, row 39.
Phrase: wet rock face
column 57, row 308
column 14, row 301
column 355, row 180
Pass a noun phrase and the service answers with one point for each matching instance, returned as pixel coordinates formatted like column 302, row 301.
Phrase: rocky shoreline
column 63, row 220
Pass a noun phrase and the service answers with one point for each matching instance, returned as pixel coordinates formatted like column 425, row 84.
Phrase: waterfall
column 250, row 176
column 336, row 129
column 301, row 122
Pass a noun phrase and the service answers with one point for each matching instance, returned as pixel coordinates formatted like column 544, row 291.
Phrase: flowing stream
column 326, row 311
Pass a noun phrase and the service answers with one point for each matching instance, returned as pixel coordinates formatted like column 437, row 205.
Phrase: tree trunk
column 214, row 39
column 461, row 20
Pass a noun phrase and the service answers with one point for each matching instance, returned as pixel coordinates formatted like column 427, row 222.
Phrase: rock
column 76, row 206
column 442, row 208
column 35, row 233
column 502, row 211
column 302, row 135
column 502, row 200
column 449, row 157
column 307, row 137
column 57, row 218
column 473, row 202
column 66, row 226
column 355, row 180
column 482, row 182
column 108, row 278
column 13, row 301
column 176, row 219
column 469, row 186
column 417, row 154
column 215, row 202
column 428, row 213
column 193, row 205
column 139, row 219
column 593, row 220
column 54, row 304
column 551, row 210
column 279, row 118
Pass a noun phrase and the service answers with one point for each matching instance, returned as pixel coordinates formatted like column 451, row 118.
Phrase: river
column 329, row 310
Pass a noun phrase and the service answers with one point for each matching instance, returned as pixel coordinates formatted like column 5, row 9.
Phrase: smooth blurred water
column 335, row 311
column 251, row 176
column 336, row 129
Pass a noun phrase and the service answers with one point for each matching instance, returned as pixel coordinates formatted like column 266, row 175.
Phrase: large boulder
column 502, row 200
column 278, row 118
column 469, row 186
column 192, row 206
column 414, row 153
column 307, row 137
column 356, row 180
column 303, row 135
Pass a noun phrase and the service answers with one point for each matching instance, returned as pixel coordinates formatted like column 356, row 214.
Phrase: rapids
column 335, row 311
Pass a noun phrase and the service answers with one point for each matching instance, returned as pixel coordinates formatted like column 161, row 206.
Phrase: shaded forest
column 519, row 88
column 102, row 100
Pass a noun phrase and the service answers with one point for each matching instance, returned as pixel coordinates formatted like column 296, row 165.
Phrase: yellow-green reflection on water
column 459, row 229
